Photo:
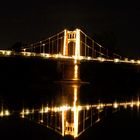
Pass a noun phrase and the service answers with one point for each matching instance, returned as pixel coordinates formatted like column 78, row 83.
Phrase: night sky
column 30, row 20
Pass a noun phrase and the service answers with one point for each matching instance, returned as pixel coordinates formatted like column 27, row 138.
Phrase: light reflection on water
column 66, row 112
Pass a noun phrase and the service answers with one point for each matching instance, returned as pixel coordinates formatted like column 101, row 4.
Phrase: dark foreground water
column 32, row 82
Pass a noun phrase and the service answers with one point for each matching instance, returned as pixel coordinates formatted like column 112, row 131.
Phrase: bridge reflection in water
column 69, row 116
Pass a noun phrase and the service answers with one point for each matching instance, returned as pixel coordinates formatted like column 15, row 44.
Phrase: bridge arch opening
column 71, row 48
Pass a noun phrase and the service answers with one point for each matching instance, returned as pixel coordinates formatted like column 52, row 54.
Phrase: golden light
column 125, row 105
column 46, row 109
column 138, row 103
column 102, row 105
column 115, row 105
column 27, row 53
column 45, row 55
column 76, row 112
column 101, row 59
column 2, row 52
column 138, row 61
column 5, row 52
column 132, row 61
column 55, row 55
column 87, row 107
column 22, row 113
column 63, row 122
column 77, row 47
column 75, row 60
column 27, row 112
column 116, row 60
column 41, row 121
column 6, row 113
column 88, row 58
column 64, row 108
column 132, row 104
column 75, row 71
column 65, row 42
column 98, row 107
column 55, row 109
column 8, row 52
column 41, row 111
column 79, row 108
column 1, row 114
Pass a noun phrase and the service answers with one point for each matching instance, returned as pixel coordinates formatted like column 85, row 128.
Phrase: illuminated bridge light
column 116, row 60
column 115, row 105
column 1, row 114
column 138, row 103
column 55, row 109
column 81, row 57
column 77, row 47
column 65, row 42
column 22, row 113
column 87, row 107
column 132, row 104
column 124, row 105
column 41, row 121
column 26, row 53
column 138, row 61
column 101, row 105
column 8, row 52
column 41, row 111
column 101, row 59
column 98, row 107
column 43, row 54
column 132, row 61
column 5, row 52
column 79, row 108
column 108, row 105
column 89, row 58
column 64, row 108
column 27, row 112
column 46, row 109
column 6, row 112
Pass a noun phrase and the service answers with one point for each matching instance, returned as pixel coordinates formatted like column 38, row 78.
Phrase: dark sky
column 29, row 20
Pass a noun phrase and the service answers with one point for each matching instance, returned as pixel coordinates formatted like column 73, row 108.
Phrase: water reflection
column 67, row 116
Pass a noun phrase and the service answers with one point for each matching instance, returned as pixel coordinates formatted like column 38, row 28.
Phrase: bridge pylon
column 71, row 45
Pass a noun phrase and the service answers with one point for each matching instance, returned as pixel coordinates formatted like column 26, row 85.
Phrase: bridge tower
column 71, row 47
column 70, row 82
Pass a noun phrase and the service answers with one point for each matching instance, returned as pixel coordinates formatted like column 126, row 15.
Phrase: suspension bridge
column 71, row 47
